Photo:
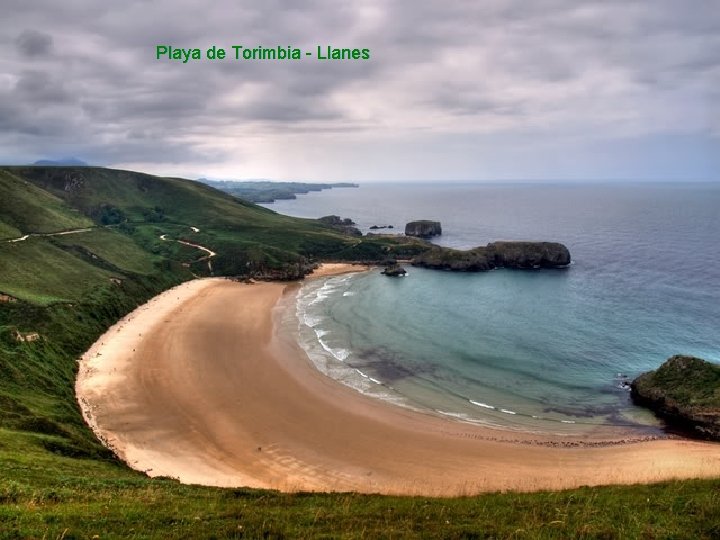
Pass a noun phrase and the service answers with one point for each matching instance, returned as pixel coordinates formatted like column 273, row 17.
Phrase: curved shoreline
column 198, row 385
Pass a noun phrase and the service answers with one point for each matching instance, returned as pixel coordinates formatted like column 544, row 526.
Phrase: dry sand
column 197, row 385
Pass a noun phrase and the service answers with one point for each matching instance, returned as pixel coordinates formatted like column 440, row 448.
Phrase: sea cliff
column 685, row 391
column 423, row 228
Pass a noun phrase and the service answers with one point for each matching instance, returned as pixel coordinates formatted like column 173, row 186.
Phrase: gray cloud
column 85, row 80
column 34, row 43
column 40, row 87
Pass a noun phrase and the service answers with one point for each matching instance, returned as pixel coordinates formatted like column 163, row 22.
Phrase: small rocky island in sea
column 524, row 255
column 394, row 270
column 685, row 392
column 520, row 255
column 423, row 228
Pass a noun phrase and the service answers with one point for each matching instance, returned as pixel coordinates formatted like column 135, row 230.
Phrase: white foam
column 568, row 421
column 339, row 354
column 349, row 293
column 480, row 404
column 311, row 321
column 368, row 377
column 507, row 411
column 323, row 292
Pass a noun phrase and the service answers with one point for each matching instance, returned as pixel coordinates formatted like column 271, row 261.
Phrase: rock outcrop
column 288, row 272
column 394, row 270
column 345, row 225
column 496, row 255
column 685, row 392
column 423, row 228
column 528, row 254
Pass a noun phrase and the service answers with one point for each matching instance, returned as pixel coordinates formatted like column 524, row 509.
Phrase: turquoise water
column 532, row 350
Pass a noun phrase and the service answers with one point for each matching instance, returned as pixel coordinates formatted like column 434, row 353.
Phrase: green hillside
column 58, row 481
column 245, row 236
column 117, row 250
column 25, row 208
column 39, row 271
column 129, row 213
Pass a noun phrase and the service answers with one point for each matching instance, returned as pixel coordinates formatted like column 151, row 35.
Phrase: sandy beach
column 197, row 385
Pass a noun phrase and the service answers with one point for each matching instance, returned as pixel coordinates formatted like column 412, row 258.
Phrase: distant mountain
column 68, row 161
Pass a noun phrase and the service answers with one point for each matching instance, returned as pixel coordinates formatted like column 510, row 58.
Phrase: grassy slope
column 232, row 227
column 56, row 480
column 182, row 201
column 24, row 207
column 40, row 272
column 115, row 248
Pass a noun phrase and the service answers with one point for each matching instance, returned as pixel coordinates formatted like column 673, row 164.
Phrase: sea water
column 541, row 350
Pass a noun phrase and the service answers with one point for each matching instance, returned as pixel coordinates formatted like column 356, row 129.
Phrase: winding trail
column 61, row 233
column 210, row 253
column 163, row 237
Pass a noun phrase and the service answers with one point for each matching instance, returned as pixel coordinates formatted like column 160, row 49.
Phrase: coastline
column 197, row 384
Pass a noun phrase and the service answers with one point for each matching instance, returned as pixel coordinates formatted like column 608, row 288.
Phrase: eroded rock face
column 423, row 228
column 496, row 255
column 684, row 391
column 288, row 272
column 394, row 270
column 336, row 221
column 346, row 225
column 528, row 254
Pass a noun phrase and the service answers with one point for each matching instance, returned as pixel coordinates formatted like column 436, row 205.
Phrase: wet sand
column 197, row 385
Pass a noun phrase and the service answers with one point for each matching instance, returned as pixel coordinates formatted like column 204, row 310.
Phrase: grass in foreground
column 43, row 495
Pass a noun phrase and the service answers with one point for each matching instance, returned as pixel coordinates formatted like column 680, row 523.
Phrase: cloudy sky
column 469, row 89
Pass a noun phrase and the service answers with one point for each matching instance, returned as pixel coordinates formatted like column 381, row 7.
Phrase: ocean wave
column 368, row 377
column 323, row 293
column 349, row 293
column 480, row 404
column 310, row 320
column 339, row 354
column 506, row 411
column 311, row 294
